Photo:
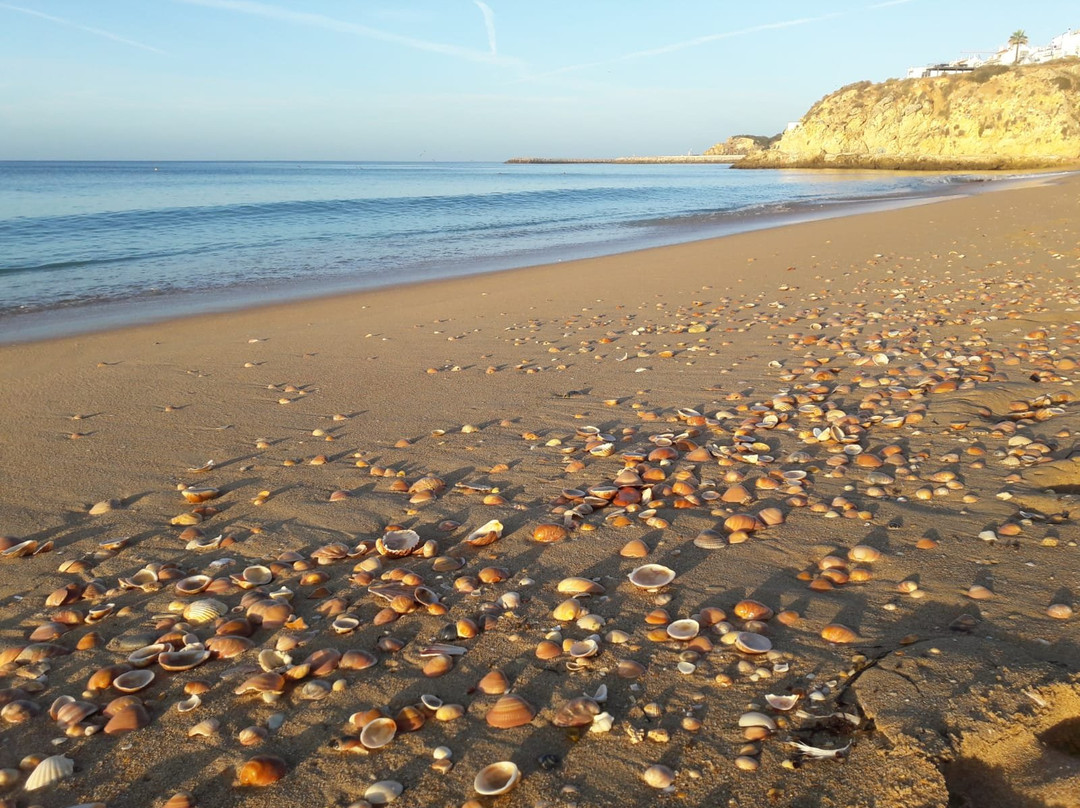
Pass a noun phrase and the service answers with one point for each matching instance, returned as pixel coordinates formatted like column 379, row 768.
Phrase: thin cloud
column 88, row 29
column 888, row 3
column 489, row 23
column 264, row 10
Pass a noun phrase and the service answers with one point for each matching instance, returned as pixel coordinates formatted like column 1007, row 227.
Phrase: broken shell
column 510, row 711
column 266, row 682
column 651, row 576
column 378, row 733
column 397, row 543
column 188, row 704
column 485, row 534
column 658, row 776
column 49, row 772
column 781, row 703
column 577, row 712
column 261, row 770
column 133, row 681
column 204, row 729
column 497, row 778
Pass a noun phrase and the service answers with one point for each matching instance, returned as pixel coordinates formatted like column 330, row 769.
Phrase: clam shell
column 863, row 554
column 580, row 586
column 356, row 660
column 583, row 648
column 195, row 495
column 752, row 610
column 204, row 729
column 683, row 629
column 228, row 646
column 496, row 778
column 782, row 703
column 510, row 711
column 493, row 683
column 651, row 576
column 485, row 534
column 549, row 533
column 148, row 654
column 180, row 799
column 382, row 792
column 183, row 660
column 192, row 585
column 837, row 633
column 261, row 770
column 577, row 712
column 257, row 575
column 204, row 610
column 658, row 776
column 266, row 682
column 49, row 772
column 378, row 733
column 397, row 543
column 750, row 643
column 133, row 681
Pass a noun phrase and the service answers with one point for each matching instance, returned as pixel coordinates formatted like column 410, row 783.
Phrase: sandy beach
column 859, row 430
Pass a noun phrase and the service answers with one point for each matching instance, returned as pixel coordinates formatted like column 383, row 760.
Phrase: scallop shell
column 397, row 543
column 184, row 659
column 683, row 629
column 133, row 681
column 485, row 534
column 510, row 711
column 651, row 576
column 49, row 772
column 204, row 610
column 549, row 533
column 496, row 778
column 378, row 733
column 261, row 770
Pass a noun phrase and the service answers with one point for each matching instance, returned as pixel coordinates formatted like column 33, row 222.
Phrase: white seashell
column 188, row 704
column 756, row 719
column 485, row 534
column 49, row 772
column 781, row 703
column 584, row 648
column 133, row 681
column 271, row 660
column 204, row 729
column 204, row 610
column 384, row 791
column 397, row 543
column 750, row 643
column 683, row 629
column 602, row 722
column 498, row 778
column 378, row 733
column 651, row 576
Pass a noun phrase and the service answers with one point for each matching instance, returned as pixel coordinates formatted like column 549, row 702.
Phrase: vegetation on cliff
column 995, row 117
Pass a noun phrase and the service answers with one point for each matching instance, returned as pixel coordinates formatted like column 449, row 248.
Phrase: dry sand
column 943, row 341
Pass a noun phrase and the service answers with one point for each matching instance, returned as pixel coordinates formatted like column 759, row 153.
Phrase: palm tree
column 1018, row 38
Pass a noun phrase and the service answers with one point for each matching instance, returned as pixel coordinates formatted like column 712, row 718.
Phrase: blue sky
column 454, row 79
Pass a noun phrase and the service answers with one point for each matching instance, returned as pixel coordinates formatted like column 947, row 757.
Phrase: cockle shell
column 651, row 576
column 549, row 533
column 510, row 711
column 133, row 681
column 204, row 610
column 397, row 543
column 49, row 772
column 261, row 770
column 378, row 733
column 497, row 778
column 752, row 610
column 485, row 534
column 192, row 585
column 493, row 683
column 580, row 586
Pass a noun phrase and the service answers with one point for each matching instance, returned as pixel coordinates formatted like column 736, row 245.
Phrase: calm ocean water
column 86, row 245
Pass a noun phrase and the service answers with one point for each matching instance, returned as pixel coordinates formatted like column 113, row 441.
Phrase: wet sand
column 901, row 381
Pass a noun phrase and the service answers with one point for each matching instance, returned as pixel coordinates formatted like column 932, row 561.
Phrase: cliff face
column 994, row 117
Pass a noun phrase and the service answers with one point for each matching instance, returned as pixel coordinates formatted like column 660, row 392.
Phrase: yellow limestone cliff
column 995, row 117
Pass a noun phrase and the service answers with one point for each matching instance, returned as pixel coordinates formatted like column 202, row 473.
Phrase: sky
column 455, row 79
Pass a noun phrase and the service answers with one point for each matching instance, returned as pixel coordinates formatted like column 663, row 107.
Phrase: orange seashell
column 546, row 649
column 129, row 718
column 409, row 719
column 771, row 517
column 356, row 660
column 752, row 610
column 740, row 522
column 510, row 711
column 837, row 633
column 438, row 665
column 180, row 799
column 493, row 683
column 737, row 494
column 635, row 548
column 261, row 770
column 549, row 533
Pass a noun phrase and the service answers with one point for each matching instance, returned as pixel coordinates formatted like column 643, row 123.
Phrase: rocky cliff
column 992, row 118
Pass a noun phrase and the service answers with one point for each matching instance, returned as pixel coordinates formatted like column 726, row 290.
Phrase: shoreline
column 690, row 159
column 874, row 384
column 20, row 327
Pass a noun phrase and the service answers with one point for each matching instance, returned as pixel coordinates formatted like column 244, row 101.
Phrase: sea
column 92, row 245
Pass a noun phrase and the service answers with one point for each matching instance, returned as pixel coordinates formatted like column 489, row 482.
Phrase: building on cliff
column 1060, row 47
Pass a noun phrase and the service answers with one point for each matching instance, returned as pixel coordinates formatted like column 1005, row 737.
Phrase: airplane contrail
column 87, row 28
column 489, row 23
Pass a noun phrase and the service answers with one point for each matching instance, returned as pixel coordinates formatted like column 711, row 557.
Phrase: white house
column 1066, row 44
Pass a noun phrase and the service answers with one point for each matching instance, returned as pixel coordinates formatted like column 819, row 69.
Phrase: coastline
column 688, row 159
column 484, row 380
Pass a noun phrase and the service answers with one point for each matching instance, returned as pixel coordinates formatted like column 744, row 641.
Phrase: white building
column 1066, row 44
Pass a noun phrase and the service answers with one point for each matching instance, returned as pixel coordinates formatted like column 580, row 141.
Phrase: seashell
column 18, row 711
column 397, row 543
column 261, row 770
column 583, row 648
column 485, row 534
column 148, row 654
column 493, row 683
column 133, row 681
column 567, row 611
column 252, row 736
column 837, row 633
column 1059, row 611
column 685, row 629
column 496, row 778
column 863, row 554
column 752, row 610
column 188, row 704
column 257, row 575
column 577, row 712
column 356, row 660
column 228, row 646
column 437, row 666
column 104, row 506
column 449, row 712
column 546, row 649
column 382, row 792
column 751, row 643
column 635, row 548
column 265, row 682
column 781, row 703
column 204, row 611
column 709, row 540
column 430, row 483
column 580, row 586
column 980, row 592
column 658, row 776
column 629, row 669
column 344, row 623
column 410, row 719
column 180, row 799
column 378, row 733
column 315, row 690
column 73, row 712
column 510, row 711
column 651, row 576
column 132, row 717
column 205, row 729
column 183, row 660
column 196, row 495
column 549, row 533
column 756, row 719
column 49, row 772
column 192, row 585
